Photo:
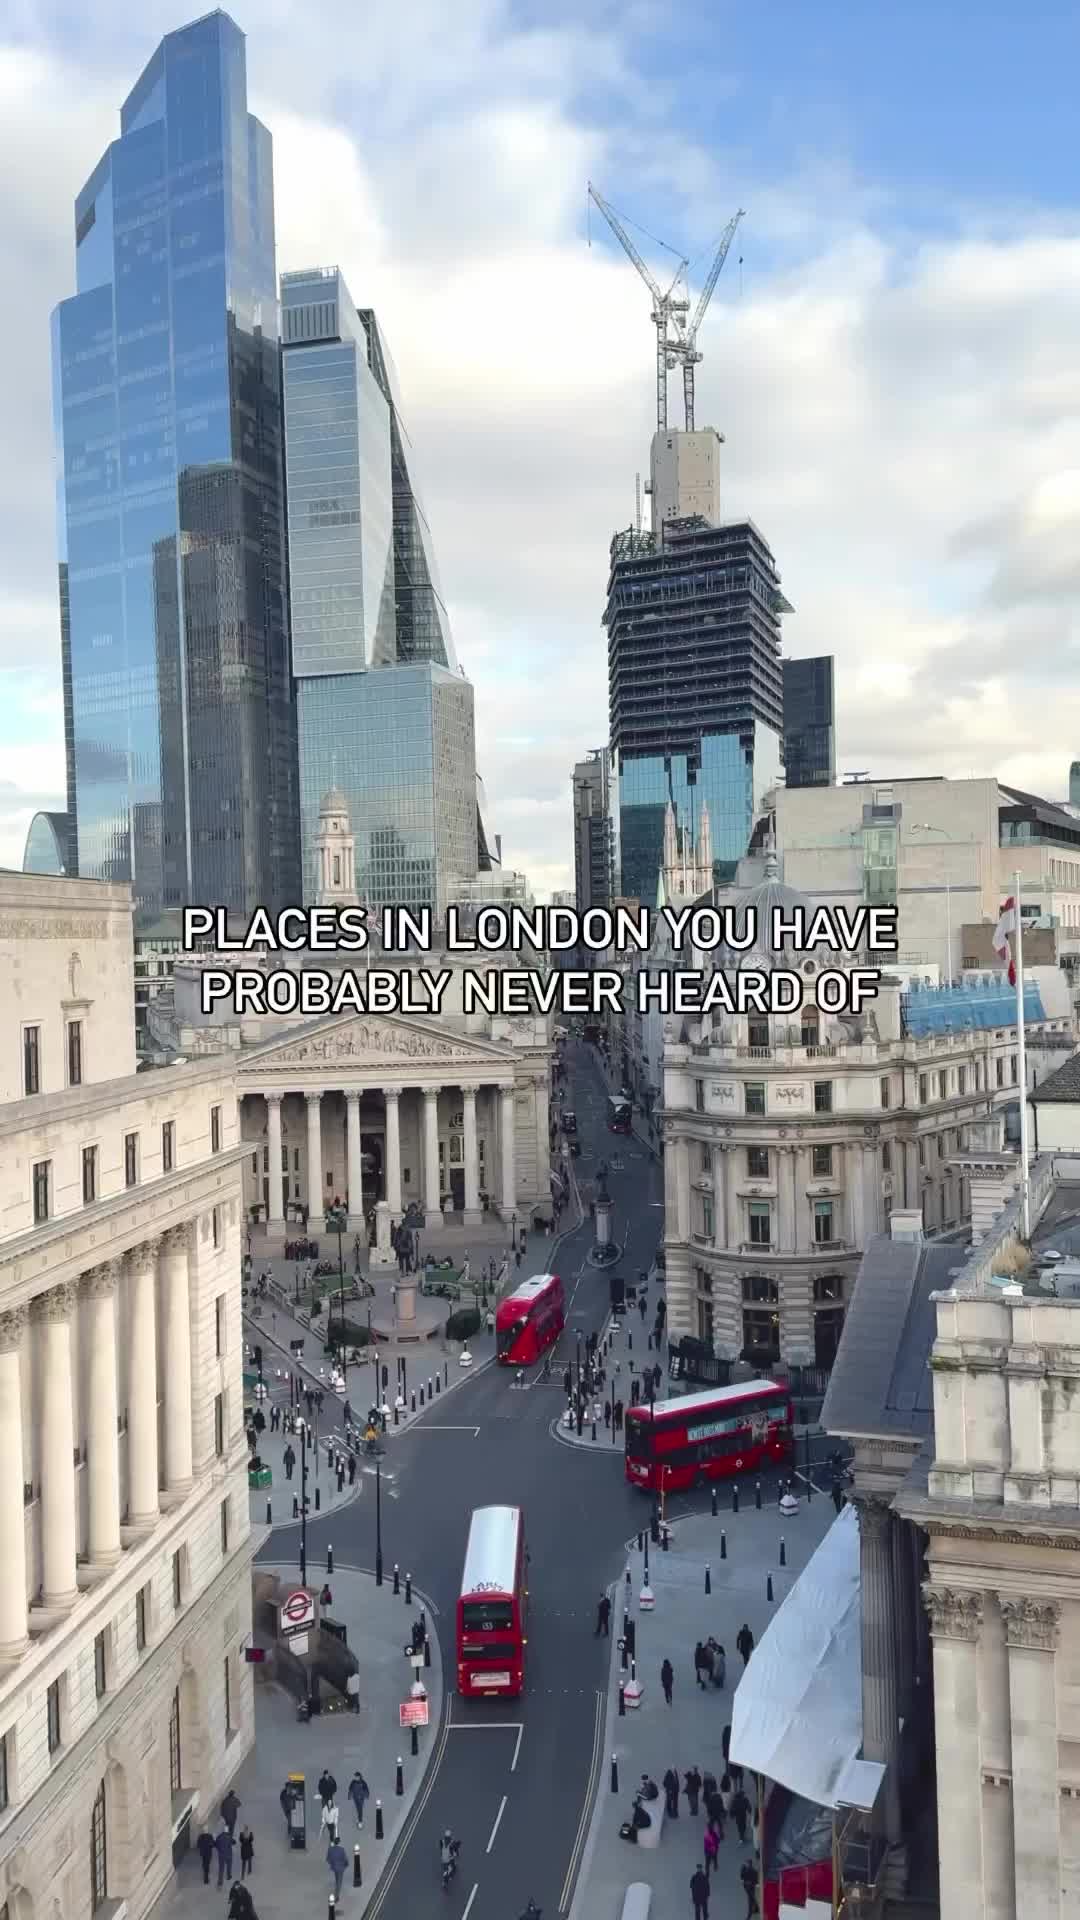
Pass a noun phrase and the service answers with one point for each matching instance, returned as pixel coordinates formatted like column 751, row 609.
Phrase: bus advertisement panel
column 491, row 1611
column 529, row 1320
column 707, row 1436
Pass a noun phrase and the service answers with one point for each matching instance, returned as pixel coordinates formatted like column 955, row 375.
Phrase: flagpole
column 1021, row 1063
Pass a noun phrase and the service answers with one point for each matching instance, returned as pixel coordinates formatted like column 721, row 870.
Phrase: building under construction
column 695, row 688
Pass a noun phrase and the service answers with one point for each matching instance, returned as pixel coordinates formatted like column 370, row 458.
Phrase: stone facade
column 125, row 1703
column 65, row 963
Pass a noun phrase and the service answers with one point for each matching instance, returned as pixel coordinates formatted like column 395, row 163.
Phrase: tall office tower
column 695, row 689
column 809, row 723
column 593, row 850
column 1074, row 784
column 383, row 714
column 181, row 741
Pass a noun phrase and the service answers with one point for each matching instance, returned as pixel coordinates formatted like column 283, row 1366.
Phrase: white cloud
column 901, row 421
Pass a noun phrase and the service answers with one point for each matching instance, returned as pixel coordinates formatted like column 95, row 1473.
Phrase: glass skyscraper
column 383, row 712
column 695, row 690
column 809, row 722
column 180, row 722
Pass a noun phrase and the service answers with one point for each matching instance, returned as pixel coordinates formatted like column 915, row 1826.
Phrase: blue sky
column 896, row 374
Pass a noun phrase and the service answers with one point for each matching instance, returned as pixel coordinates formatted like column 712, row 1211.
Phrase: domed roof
column 763, row 900
column 333, row 801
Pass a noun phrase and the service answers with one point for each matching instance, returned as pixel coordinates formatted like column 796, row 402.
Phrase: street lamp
column 378, row 1523
column 336, row 1222
column 302, row 1424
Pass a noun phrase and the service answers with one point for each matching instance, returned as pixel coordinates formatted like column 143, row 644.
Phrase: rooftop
column 1063, row 1085
column 881, row 1376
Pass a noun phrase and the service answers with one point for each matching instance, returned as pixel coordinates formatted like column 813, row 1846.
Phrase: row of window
column 942, row 1084
column 823, row 1158
column 42, row 1171
column 73, row 1052
column 761, row 1227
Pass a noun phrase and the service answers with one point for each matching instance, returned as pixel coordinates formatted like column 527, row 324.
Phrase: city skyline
column 877, row 310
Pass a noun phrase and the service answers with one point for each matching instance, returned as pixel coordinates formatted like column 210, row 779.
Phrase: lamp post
column 303, row 1500
column 378, row 1523
column 336, row 1222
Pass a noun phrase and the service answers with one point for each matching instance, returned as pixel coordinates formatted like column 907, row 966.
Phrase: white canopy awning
column 797, row 1717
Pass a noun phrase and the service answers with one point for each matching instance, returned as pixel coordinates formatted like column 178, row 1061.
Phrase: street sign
column 297, row 1613
column 413, row 1713
column 298, row 1643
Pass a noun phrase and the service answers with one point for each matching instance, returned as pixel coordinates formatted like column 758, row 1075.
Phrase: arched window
column 99, row 1877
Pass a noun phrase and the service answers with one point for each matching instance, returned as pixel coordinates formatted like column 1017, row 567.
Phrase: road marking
column 469, row 1901
column 495, row 1828
column 434, row 1429
column 590, row 1793
column 412, row 1821
column 491, row 1726
column 517, row 1748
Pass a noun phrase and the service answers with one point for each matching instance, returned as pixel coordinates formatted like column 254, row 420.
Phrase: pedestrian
column 736, row 1774
column 224, row 1846
column 230, row 1807
column 349, row 1421
column 838, row 1496
column 337, row 1860
column 205, row 1844
column 745, row 1642
column 701, row 1663
column 748, row 1876
column 259, row 1422
column 288, row 1460
column 327, row 1786
column 642, row 1308
column 607, row 1414
column 740, row 1813
column 692, row 1789
column 352, row 1468
column 603, row 1616
column 567, row 1382
column 619, row 1411
column 359, row 1792
column 352, row 1690
column 714, row 1812
column 667, row 1680
column 708, row 1786
column 285, row 1802
column 326, row 1598
column 247, row 1852
column 718, row 1670
column 699, row 1893
column 331, row 1819
column 241, row 1905
column 671, row 1793
column 712, row 1850
column 727, row 1795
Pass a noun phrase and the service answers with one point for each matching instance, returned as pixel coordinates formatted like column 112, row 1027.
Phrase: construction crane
column 676, row 340
column 669, row 309
column 687, row 349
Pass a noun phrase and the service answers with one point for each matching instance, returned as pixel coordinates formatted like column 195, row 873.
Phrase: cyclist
column 448, row 1853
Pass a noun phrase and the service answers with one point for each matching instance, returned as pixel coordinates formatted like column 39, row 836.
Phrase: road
column 514, row 1780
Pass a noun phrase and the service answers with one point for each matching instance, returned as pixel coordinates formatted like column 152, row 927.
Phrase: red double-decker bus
column 491, row 1611
column 529, row 1320
column 707, row 1436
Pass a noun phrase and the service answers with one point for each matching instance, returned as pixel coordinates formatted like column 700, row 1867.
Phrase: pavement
column 652, row 1737
column 288, row 1883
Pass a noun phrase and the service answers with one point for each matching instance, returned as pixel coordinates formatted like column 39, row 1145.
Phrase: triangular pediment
column 364, row 1039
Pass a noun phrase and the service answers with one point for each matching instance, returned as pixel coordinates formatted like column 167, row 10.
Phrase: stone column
column 880, row 1712
column 393, row 1149
column 733, row 1205
column 853, row 1177
column 720, row 1158
column 871, row 1188
column 432, row 1193
column 176, row 1301
column 955, row 1621
column 59, row 1539
column 142, row 1435
column 509, row 1151
column 1031, row 1635
column 275, row 1216
column 355, row 1163
column 316, row 1203
column 904, row 1602
column 472, row 1175
column 803, row 1228
column 912, row 1175
column 103, row 1458
column 785, row 1188
column 13, row 1635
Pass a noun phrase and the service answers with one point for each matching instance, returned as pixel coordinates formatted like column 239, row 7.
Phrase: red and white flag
column 1004, row 933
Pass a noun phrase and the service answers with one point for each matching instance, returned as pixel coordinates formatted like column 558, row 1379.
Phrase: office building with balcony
column 809, row 723
column 695, row 689
column 383, row 713
column 789, row 1143
column 126, row 1705
column 179, row 720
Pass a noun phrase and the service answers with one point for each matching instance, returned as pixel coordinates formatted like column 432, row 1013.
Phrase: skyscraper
column 180, row 723
column 593, row 847
column 695, row 689
column 809, row 723
column 384, row 714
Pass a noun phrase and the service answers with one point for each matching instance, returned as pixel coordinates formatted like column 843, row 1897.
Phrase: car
column 569, row 1121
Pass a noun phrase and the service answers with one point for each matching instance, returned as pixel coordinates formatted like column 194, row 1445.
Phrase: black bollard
column 421, row 1396
column 414, row 1742
column 332, row 1908
column 757, row 1495
column 654, row 1529
column 446, row 1373
column 378, row 1820
column 268, row 1521
column 594, row 1429
column 329, row 1559
column 708, row 1578
column 712, row 1502
column 622, row 1701
column 397, row 1415
column 427, row 1651
column 429, row 1387
column 783, row 1552
column 629, row 1341
column 614, row 1773
column 397, row 1578
column 768, row 1588
column 408, row 1589
column 295, row 1508
column 723, row 1546
column 399, row 1780
column 641, row 1543
column 341, row 1479
column 438, row 1384
column 318, row 1500
column 735, row 1498
column 664, row 1534
column 357, row 1876
column 413, row 1398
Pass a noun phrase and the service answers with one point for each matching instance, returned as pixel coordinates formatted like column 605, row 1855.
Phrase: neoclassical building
column 789, row 1141
column 125, row 1604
